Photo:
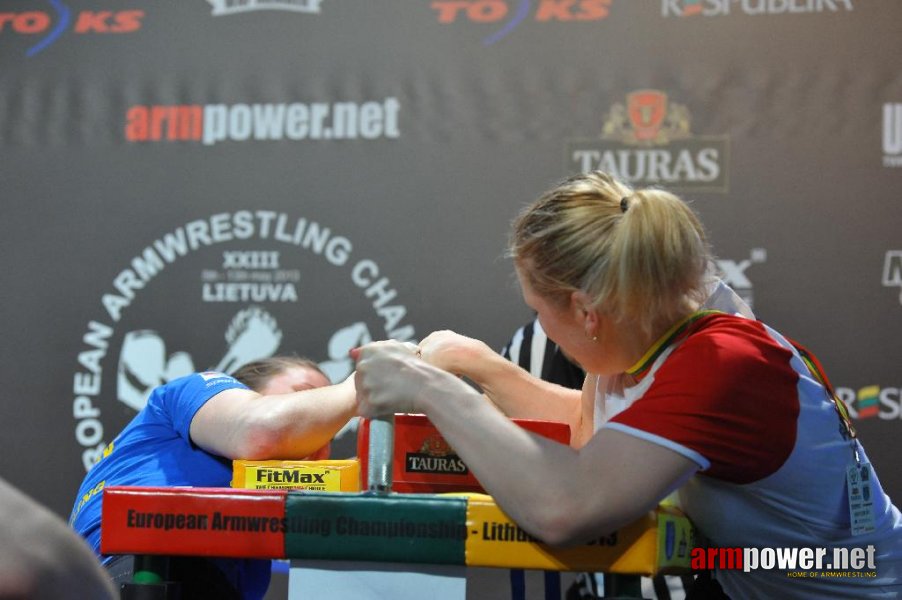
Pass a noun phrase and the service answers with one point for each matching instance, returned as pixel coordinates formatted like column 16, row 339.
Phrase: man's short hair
column 256, row 374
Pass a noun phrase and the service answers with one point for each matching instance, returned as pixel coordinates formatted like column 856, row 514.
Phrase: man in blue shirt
column 190, row 431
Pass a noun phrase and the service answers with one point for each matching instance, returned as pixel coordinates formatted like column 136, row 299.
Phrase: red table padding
column 193, row 521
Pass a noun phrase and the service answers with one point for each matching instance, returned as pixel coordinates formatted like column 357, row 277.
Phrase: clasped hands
column 400, row 377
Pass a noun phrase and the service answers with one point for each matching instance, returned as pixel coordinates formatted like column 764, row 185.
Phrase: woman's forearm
column 513, row 389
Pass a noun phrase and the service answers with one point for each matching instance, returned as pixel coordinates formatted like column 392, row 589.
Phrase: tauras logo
column 157, row 328
column 230, row 7
column 426, row 463
column 647, row 140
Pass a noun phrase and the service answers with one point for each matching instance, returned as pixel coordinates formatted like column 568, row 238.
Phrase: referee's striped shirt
column 531, row 349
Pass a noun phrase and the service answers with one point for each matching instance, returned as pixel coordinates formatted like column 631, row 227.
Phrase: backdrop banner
column 191, row 185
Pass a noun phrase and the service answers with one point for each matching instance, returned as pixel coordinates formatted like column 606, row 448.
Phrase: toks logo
column 216, row 293
column 48, row 27
column 647, row 141
column 717, row 8
column 872, row 401
column 500, row 12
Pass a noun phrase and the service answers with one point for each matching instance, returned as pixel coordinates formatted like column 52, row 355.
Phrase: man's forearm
column 520, row 395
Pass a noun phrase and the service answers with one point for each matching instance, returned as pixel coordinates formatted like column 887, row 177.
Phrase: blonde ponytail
column 640, row 255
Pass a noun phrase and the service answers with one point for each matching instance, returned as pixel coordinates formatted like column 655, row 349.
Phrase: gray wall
column 187, row 186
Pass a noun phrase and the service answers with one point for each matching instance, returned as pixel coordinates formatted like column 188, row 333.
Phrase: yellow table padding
column 313, row 475
column 660, row 542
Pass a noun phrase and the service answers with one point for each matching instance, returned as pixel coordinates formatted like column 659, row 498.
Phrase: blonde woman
column 716, row 406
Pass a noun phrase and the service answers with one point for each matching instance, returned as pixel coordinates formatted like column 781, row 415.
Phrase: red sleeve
column 727, row 393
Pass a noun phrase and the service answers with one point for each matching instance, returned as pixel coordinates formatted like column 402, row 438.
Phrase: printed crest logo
column 647, row 111
column 884, row 403
column 892, row 270
column 510, row 15
column 647, row 141
column 216, row 293
column 231, row 7
column 719, row 8
column 46, row 28
column 892, row 135
column 436, row 445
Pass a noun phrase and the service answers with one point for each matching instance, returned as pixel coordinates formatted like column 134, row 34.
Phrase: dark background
column 795, row 96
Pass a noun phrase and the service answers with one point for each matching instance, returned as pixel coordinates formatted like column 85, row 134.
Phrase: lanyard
column 817, row 371
column 642, row 366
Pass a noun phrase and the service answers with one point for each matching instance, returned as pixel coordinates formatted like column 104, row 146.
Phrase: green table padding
column 396, row 528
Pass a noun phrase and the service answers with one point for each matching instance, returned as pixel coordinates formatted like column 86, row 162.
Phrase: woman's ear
column 584, row 312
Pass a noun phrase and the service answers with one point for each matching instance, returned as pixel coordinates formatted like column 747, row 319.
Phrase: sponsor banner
column 719, row 8
column 872, row 401
column 218, row 292
column 892, row 135
column 647, row 141
column 505, row 16
column 892, row 270
column 733, row 272
column 296, row 121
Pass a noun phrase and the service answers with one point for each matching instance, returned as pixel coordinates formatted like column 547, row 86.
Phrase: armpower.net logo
column 214, row 123
column 797, row 563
